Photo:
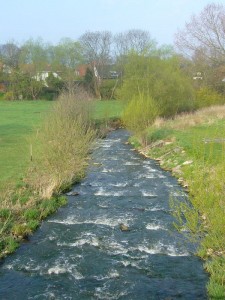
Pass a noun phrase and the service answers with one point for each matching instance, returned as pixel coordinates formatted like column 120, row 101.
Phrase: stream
column 81, row 252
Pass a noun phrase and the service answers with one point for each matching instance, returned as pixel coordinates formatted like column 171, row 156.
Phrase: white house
column 42, row 76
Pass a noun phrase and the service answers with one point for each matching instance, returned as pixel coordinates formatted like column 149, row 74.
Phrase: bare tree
column 135, row 39
column 206, row 32
column 33, row 56
column 97, row 51
column 9, row 54
column 97, row 46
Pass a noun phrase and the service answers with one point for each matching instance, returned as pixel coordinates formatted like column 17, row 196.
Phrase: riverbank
column 192, row 148
column 113, row 240
column 57, row 143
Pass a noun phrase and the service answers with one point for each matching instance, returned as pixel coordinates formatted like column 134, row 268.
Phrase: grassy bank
column 61, row 135
column 192, row 147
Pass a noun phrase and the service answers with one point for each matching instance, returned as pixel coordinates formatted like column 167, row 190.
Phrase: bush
column 108, row 89
column 62, row 145
column 140, row 113
column 9, row 96
column 161, row 79
column 207, row 97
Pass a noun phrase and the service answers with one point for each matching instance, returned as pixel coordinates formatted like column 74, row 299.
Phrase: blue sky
column 55, row 19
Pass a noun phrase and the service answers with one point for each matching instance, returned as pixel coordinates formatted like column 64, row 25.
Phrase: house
column 198, row 76
column 100, row 71
column 43, row 75
column 81, row 70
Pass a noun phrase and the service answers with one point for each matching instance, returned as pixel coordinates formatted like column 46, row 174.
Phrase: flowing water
column 82, row 253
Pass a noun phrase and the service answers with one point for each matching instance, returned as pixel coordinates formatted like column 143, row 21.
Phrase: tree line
column 20, row 65
column 199, row 52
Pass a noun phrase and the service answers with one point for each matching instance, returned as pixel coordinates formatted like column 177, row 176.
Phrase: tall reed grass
column 62, row 145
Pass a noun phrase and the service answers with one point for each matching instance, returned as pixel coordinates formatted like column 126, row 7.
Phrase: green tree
column 23, row 86
column 33, row 57
column 160, row 77
column 65, row 57
column 203, row 40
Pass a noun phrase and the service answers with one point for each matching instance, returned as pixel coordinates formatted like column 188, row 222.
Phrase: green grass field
column 18, row 120
column 105, row 109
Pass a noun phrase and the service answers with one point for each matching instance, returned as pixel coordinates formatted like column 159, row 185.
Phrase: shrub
column 160, row 78
column 140, row 113
column 9, row 96
column 62, row 145
column 208, row 97
column 108, row 89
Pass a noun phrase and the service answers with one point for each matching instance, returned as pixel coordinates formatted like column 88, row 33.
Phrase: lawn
column 19, row 119
column 107, row 109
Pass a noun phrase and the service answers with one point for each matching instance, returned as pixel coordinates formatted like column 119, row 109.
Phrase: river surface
column 81, row 251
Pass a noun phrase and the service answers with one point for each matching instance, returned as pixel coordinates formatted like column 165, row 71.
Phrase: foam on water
column 155, row 227
column 104, row 293
column 149, row 168
column 146, row 176
column 129, row 163
column 81, row 242
column 161, row 176
column 160, row 248
column 127, row 263
column 115, row 248
column 155, row 208
column 177, row 194
column 170, row 185
column 111, row 275
column 103, row 205
column 104, row 220
column 102, row 192
column 45, row 295
column 57, row 270
column 148, row 194
column 121, row 184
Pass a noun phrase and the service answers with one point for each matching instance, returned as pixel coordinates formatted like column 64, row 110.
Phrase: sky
column 52, row 20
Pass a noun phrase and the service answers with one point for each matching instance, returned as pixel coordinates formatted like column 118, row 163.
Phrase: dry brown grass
column 207, row 115
column 62, row 145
